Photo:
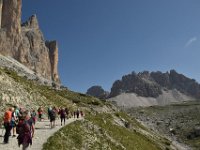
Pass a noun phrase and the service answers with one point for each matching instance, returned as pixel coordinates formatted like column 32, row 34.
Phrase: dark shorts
column 40, row 116
column 52, row 119
column 13, row 123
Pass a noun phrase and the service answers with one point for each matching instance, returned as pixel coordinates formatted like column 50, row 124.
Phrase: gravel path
column 42, row 133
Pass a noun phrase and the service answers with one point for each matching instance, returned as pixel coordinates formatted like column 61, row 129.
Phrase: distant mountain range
column 149, row 84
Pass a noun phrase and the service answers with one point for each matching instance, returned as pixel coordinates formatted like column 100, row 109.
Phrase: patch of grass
column 129, row 139
column 65, row 138
column 130, row 119
column 98, row 132
column 76, row 136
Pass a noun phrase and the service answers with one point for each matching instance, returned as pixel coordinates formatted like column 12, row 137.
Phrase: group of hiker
column 64, row 114
column 22, row 122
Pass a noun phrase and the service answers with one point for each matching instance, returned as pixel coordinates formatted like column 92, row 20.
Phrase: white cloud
column 190, row 41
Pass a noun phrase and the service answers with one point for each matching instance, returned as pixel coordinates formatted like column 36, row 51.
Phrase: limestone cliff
column 25, row 42
column 53, row 55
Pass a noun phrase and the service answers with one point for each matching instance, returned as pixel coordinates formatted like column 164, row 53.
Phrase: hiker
column 52, row 116
column 81, row 112
column 14, row 121
column 67, row 112
column 7, row 124
column 62, row 113
column 48, row 111
column 40, row 113
column 25, row 129
column 33, row 116
column 77, row 112
column 17, row 113
column 74, row 114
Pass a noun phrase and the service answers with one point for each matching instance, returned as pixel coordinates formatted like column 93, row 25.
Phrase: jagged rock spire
column 32, row 22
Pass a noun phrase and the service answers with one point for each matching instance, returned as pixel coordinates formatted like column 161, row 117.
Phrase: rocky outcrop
column 184, row 84
column 162, row 79
column 31, row 23
column 97, row 91
column 33, row 52
column 136, row 83
column 10, row 33
column 151, row 84
column 11, row 16
column 26, row 42
column 53, row 55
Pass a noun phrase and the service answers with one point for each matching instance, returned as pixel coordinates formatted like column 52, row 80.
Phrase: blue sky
column 101, row 40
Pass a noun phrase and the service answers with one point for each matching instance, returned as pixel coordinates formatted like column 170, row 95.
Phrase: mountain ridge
column 150, row 84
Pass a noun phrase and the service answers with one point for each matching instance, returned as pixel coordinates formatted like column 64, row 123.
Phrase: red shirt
column 7, row 116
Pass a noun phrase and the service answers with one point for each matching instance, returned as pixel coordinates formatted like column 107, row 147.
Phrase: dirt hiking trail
column 42, row 133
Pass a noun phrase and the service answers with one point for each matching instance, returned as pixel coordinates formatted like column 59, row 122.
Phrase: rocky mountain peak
column 97, row 91
column 148, row 84
column 32, row 22
column 25, row 42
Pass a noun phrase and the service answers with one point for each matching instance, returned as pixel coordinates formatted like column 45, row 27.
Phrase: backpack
column 62, row 112
column 23, row 127
column 52, row 114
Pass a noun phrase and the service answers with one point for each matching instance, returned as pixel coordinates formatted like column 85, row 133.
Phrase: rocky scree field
column 180, row 122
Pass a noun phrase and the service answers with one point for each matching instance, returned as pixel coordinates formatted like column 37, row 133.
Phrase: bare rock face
column 147, row 84
column 140, row 84
column 26, row 43
column 10, row 33
column 32, row 50
column 53, row 55
column 11, row 16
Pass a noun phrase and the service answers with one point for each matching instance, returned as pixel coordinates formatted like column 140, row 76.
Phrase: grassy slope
column 97, row 131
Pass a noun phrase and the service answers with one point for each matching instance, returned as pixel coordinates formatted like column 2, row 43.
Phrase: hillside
column 103, row 127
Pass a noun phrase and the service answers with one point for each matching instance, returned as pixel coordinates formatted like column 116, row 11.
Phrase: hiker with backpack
column 52, row 116
column 67, row 112
column 77, row 112
column 48, row 111
column 14, row 121
column 40, row 113
column 81, row 113
column 62, row 113
column 33, row 116
column 7, row 124
column 25, row 129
